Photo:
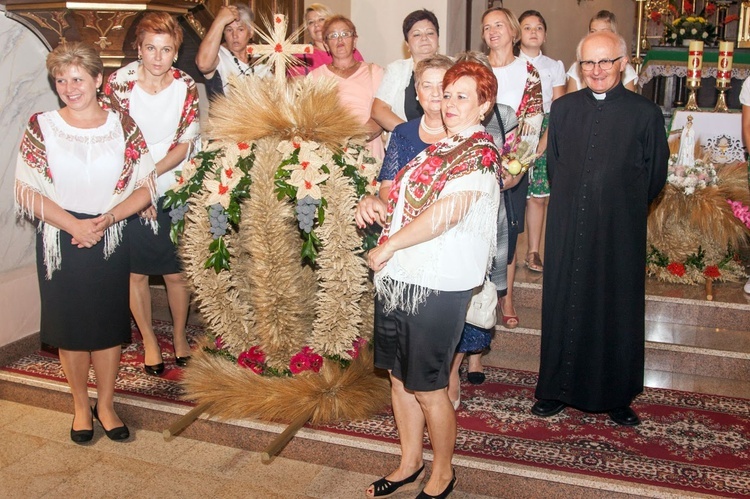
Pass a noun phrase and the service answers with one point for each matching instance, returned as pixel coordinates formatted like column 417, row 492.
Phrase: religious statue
column 686, row 155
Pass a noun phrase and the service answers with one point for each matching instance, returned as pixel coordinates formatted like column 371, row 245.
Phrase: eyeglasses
column 339, row 34
column 604, row 64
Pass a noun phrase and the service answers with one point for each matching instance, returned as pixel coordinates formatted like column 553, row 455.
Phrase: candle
column 695, row 62
column 724, row 69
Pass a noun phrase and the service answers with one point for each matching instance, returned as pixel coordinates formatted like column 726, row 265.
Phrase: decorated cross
column 279, row 51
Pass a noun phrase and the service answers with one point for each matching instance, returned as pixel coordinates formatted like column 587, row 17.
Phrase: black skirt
column 85, row 305
column 152, row 254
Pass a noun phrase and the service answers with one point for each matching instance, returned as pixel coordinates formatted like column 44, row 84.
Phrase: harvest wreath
column 265, row 222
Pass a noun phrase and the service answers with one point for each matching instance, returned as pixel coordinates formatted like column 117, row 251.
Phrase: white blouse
column 511, row 82
column 231, row 65
column 158, row 117
column 86, row 163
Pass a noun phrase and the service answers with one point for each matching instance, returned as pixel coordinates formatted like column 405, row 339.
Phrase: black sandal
column 385, row 487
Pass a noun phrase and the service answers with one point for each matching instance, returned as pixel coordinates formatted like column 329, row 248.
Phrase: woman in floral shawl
column 81, row 172
column 164, row 102
column 436, row 247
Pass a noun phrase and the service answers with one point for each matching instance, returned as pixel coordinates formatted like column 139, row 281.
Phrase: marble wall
column 24, row 89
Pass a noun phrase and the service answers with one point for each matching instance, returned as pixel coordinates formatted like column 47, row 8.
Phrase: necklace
column 243, row 72
column 430, row 130
column 350, row 66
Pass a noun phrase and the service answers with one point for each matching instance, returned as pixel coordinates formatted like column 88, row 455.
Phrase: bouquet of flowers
column 688, row 26
column 690, row 178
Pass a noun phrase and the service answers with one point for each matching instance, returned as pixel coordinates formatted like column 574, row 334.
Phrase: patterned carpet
column 687, row 441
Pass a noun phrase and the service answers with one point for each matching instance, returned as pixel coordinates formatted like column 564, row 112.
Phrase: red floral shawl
column 428, row 172
column 120, row 85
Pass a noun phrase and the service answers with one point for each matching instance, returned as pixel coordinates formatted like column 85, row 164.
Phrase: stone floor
column 37, row 459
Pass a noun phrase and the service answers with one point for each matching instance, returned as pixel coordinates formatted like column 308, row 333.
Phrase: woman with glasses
column 223, row 51
column 357, row 81
column 604, row 20
column 315, row 17
column 520, row 87
column 396, row 100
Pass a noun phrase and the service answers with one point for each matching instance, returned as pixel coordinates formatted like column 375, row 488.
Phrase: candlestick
column 724, row 75
column 694, row 73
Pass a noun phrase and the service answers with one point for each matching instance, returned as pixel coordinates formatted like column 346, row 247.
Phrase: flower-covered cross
column 279, row 51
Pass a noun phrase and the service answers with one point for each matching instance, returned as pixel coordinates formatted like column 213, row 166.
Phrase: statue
column 686, row 155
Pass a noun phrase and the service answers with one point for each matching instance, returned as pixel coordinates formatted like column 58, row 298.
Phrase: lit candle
column 695, row 62
column 724, row 70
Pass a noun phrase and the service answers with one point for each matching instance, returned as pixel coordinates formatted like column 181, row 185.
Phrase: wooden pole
column 185, row 421
column 284, row 437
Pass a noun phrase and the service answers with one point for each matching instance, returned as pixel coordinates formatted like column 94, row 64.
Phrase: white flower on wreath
column 231, row 175
column 183, row 176
column 704, row 35
column 218, row 192
column 287, row 147
column 306, row 181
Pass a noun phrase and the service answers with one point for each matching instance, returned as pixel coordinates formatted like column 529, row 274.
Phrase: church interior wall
column 24, row 89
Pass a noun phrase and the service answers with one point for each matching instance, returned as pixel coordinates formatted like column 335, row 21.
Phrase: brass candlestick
column 721, row 103
column 692, row 103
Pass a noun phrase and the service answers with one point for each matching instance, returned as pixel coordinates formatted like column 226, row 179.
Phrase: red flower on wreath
column 242, row 146
column 306, row 360
column 677, row 269
column 712, row 272
column 253, row 359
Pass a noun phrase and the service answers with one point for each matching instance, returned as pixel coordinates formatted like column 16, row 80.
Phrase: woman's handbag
column 482, row 307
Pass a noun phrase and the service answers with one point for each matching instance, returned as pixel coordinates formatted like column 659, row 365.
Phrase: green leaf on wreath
column 219, row 257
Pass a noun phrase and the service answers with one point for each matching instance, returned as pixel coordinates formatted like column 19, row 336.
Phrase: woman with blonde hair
column 81, row 172
column 520, row 87
column 164, row 102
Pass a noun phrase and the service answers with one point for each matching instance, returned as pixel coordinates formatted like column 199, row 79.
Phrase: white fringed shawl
column 459, row 257
column 34, row 179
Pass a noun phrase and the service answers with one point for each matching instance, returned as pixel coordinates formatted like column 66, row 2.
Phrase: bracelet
column 114, row 220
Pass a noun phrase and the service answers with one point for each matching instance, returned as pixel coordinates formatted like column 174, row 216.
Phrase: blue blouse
column 404, row 146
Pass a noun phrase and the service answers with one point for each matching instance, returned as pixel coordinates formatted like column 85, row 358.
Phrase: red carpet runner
column 687, row 441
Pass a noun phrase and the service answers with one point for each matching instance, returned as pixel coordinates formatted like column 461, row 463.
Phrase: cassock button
column 597, row 122
column 593, row 146
column 590, row 158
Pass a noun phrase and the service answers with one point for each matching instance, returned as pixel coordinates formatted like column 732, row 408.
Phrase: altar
column 719, row 134
column 663, row 72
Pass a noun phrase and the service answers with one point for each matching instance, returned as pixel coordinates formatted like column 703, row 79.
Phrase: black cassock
column 607, row 161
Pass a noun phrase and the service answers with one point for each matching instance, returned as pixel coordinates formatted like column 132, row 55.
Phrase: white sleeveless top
column 158, row 117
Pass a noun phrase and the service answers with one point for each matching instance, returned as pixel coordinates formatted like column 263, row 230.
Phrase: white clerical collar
column 599, row 96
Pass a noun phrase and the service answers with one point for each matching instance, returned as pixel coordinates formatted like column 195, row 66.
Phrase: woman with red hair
column 436, row 247
column 163, row 101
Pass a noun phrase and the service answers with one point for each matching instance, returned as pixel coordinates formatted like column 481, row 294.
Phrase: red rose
column 131, row 152
column 710, row 9
column 687, row 7
column 677, row 269
column 655, row 16
column 712, row 272
column 488, row 157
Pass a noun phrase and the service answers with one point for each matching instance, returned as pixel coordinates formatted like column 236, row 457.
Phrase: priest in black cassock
column 607, row 158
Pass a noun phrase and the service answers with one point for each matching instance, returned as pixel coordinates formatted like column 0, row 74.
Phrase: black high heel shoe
column 154, row 370
column 182, row 361
column 117, row 434
column 445, row 493
column 82, row 436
